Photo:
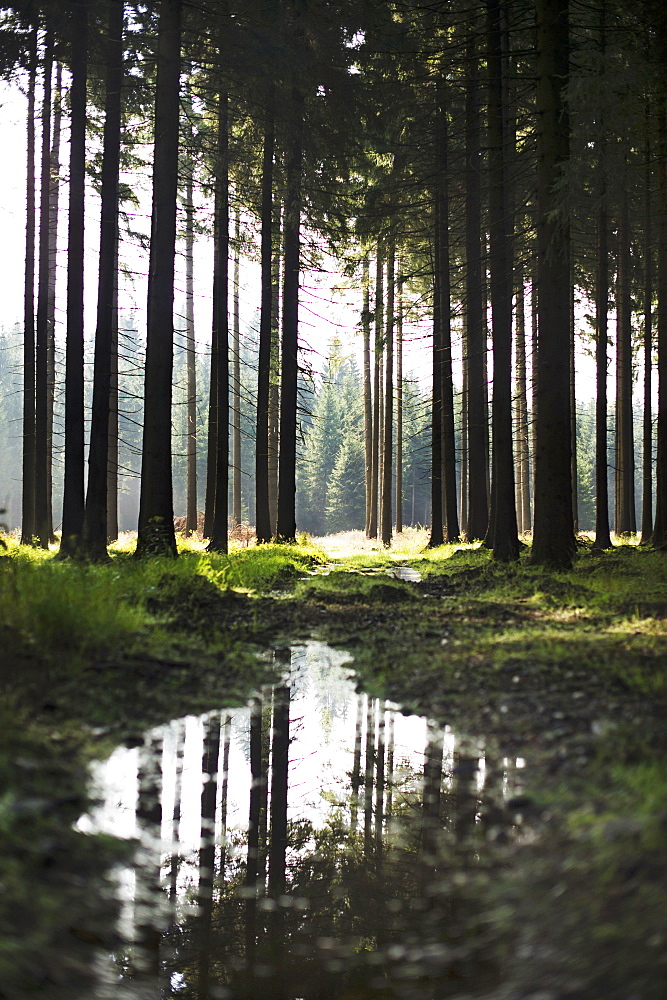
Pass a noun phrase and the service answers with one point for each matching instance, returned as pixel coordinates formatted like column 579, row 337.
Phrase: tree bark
column 156, row 507
column 624, row 520
column 190, row 355
column 54, row 191
column 660, row 524
column 236, row 376
column 73, row 492
column 286, row 526
column 399, row 406
column 602, row 531
column 262, row 516
column 377, row 367
column 28, row 483
column 95, row 519
column 387, row 454
column 41, row 525
column 505, row 537
column 220, row 337
column 647, row 463
column 368, row 402
column 478, row 502
column 553, row 542
column 523, row 454
column 274, row 378
column 447, row 432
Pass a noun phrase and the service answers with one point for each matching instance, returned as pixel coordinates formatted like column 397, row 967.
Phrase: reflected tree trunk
column 148, row 891
column 356, row 766
column 257, row 783
column 209, row 795
column 380, row 782
column 179, row 740
column 389, row 780
column 368, row 776
column 278, row 841
column 431, row 795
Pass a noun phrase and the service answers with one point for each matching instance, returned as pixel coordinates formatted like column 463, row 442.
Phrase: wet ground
column 500, row 841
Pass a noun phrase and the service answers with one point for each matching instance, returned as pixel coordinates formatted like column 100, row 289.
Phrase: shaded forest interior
column 486, row 185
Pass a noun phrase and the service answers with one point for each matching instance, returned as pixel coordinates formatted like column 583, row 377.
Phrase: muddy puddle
column 316, row 843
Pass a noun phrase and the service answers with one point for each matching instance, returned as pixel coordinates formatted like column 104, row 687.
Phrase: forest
column 428, row 161
column 333, row 583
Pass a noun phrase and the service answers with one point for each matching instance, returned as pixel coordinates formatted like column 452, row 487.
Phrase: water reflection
column 315, row 844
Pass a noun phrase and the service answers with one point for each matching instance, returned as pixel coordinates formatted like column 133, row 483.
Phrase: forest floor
column 566, row 669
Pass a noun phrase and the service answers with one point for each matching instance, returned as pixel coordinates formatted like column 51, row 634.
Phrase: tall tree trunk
column 54, row 191
column 523, row 455
column 73, row 491
column 377, row 355
column 274, row 380
column 156, row 506
column 236, row 379
column 95, row 520
column 112, row 463
column 602, row 532
column 286, row 526
column 220, row 337
column 647, row 463
column 660, row 524
column 387, row 454
column 437, row 536
column 28, row 484
column 399, row 405
column 262, row 516
column 625, row 521
column 554, row 541
column 464, row 432
column 368, row 402
column 41, row 525
column 478, row 502
column 573, row 410
column 448, row 451
column 190, row 356
column 505, row 536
